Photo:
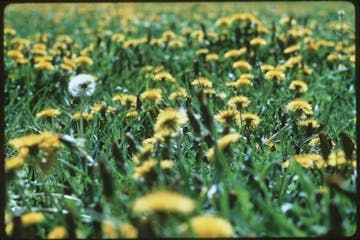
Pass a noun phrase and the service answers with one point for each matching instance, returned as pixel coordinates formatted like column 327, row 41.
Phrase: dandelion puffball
column 82, row 85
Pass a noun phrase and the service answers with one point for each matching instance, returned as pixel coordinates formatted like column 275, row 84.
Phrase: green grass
column 246, row 184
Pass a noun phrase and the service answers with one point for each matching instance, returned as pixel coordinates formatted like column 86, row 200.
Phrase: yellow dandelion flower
column 132, row 114
column 291, row 62
column 213, row 36
column 212, row 57
column 98, row 107
column 242, row 65
column 298, row 86
column 240, row 83
column 125, row 99
column 46, row 58
column 181, row 92
column 275, row 74
column 336, row 158
column 22, row 61
column 309, row 160
column 249, row 119
column 84, row 60
column 315, row 141
column 163, row 201
column 309, row 122
column 58, row 232
column 239, row 102
column 266, row 67
column 168, row 35
column 233, row 53
column 128, row 231
column 292, row 49
column 247, row 75
column 32, row 218
column 49, row 112
column 144, row 168
column 312, row 46
column 159, row 68
column 198, row 35
column 68, row 64
column 44, row 138
column 149, row 142
column 332, row 57
column 44, row 66
column 20, row 41
column 299, row 105
column 208, row 226
column 285, row 164
column 154, row 95
column 186, row 31
column 108, row 229
column 14, row 54
column 118, row 37
column 167, row 164
column 287, row 20
column 228, row 116
column 202, row 81
column 156, row 41
column 209, row 91
column 86, row 116
column 258, row 42
column 202, row 51
column 307, row 70
column 352, row 58
column 223, row 21
column 247, row 17
column 222, row 144
column 9, row 31
column 281, row 68
column 14, row 162
column 164, row 76
column 39, row 46
column 325, row 43
column 176, row 43
column 125, row 230
column 39, row 51
column 144, row 154
column 169, row 121
column 262, row 29
column 110, row 110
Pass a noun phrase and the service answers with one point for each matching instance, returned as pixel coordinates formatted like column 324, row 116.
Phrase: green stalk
column 81, row 119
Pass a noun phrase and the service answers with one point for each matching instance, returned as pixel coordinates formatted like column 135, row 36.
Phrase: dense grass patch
column 180, row 120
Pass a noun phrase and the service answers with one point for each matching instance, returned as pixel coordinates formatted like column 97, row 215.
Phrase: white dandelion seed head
column 82, row 85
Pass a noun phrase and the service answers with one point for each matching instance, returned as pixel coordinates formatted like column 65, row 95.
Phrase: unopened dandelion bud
column 138, row 103
column 348, row 145
column 336, row 230
column 106, row 178
column 206, row 116
column 70, row 225
column 196, row 68
column 96, row 223
column 237, row 35
column 232, row 198
column 209, row 140
column 325, row 144
column 98, row 41
column 193, row 122
column 116, row 152
column 132, row 146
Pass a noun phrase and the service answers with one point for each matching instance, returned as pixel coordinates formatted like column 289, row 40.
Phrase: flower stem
column 81, row 119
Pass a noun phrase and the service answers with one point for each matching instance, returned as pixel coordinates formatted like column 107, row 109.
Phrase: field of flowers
column 180, row 120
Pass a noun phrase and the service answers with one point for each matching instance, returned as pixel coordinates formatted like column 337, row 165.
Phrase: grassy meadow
column 133, row 120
